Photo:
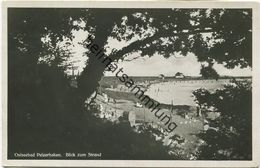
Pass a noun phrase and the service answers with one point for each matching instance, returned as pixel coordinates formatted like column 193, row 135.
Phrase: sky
column 154, row 65
column 187, row 65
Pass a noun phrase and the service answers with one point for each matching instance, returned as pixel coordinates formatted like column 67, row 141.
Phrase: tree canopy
column 221, row 35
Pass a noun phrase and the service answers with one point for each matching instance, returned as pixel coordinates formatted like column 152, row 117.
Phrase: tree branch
column 131, row 59
column 137, row 44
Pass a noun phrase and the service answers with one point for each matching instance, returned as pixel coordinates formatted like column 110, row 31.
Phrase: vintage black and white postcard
column 136, row 84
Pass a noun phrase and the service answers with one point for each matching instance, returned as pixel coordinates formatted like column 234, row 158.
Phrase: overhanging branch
column 139, row 43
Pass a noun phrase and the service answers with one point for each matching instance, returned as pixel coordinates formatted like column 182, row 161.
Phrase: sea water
column 179, row 92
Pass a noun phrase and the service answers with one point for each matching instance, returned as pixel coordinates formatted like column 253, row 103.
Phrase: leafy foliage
column 211, row 34
column 234, row 138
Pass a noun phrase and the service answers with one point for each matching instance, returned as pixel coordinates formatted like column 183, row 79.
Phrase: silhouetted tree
column 208, row 72
column 45, row 113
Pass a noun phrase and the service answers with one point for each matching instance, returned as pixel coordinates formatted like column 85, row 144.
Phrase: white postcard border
column 135, row 4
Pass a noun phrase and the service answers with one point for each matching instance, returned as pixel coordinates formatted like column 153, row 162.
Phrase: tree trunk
column 94, row 70
column 91, row 75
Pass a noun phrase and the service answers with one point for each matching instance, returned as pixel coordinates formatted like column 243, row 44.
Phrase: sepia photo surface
column 105, row 83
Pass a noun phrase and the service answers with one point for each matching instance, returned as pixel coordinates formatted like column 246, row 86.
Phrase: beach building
column 161, row 76
column 179, row 75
